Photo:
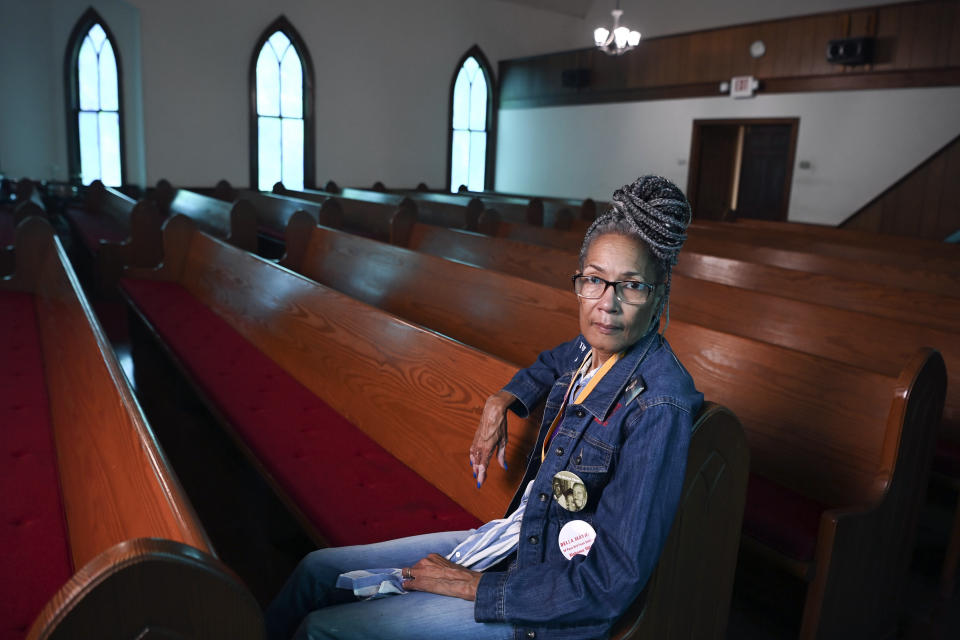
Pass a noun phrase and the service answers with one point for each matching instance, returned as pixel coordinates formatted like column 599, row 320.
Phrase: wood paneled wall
column 924, row 204
column 917, row 44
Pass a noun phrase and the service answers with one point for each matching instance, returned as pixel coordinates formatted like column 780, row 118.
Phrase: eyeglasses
column 627, row 291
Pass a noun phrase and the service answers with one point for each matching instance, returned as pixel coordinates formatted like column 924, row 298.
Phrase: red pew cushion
column 93, row 227
column 781, row 519
column 35, row 560
column 350, row 488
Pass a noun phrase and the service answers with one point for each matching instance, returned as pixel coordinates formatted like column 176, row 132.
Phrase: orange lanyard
column 594, row 381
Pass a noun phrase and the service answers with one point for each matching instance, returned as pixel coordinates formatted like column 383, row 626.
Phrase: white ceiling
column 575, row 8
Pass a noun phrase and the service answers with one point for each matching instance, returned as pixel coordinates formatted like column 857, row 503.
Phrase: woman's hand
column 436, row 574
column 491, row 435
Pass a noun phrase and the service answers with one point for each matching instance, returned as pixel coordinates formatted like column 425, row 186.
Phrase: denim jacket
column 628, row 443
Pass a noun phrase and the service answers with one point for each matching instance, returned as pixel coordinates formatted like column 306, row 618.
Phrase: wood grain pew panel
column 442, row 210
column 382, row 221
column 235, row 222
column 552, row 267
column 464, row 302
column 552, row 238
column 896, row 303
column 274, row 211
column 827, row 327
column 385, row 376
column 116, row 486
column 116, row 231
column 941, row 283
column 850, row 447
column 852, row 243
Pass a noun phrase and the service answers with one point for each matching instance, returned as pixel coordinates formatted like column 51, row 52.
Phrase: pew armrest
column 151, row 584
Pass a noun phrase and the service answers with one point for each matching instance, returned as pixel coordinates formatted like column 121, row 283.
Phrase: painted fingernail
column 504, row 466
column 478, row 484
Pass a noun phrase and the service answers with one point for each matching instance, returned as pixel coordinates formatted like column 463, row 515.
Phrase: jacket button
column 579, row 412
column 533, row 539
column 531, row 634
column 559, row 451
column 543, row 497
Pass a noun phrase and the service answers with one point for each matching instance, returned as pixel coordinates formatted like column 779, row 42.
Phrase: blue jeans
column 311, row 600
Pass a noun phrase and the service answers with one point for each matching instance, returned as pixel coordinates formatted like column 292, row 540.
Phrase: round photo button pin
column 576, row 537
column 569, row 491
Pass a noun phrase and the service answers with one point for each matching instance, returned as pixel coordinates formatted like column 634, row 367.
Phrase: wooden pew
column 385, row 375
column 115, row 230
column 469, row 304
column 139, row 558
column 274, row 212
column 939, row 282
column 442, row 210
column 809, row 243
column 235, row 222
column 377, row 220
column 514, row 209
column 417, row 394
column 900, row 245
column 734, row 310
column 688, row 595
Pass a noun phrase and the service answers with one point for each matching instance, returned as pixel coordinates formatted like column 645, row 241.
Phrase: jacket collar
column 600, row 402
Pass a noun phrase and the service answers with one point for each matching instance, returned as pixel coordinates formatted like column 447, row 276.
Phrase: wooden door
column 741, row 168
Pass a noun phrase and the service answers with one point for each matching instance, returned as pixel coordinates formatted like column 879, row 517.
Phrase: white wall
column 382, row 74
column 26, row 138
column 858, row 143
column 33, row 121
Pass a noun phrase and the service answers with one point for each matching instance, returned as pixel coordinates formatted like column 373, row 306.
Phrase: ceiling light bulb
column 600, row 36
column 620, row 35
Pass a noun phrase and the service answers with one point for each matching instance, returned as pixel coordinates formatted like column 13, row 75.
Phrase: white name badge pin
column 569, row 491
column 576, row 538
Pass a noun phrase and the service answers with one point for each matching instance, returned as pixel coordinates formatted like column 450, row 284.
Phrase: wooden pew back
column 382, row 221
column 469, row 304
column 143, row 559
column 237, row 222
column 274, row 211
column 943, row 283
column 386, row 376
column 105, row 447
column 432, row 208
column 841, row 243
column 688, row 595
column 822, row 327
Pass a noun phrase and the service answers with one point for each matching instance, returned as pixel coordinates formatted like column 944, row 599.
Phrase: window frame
column 71, row 79
column 309, row 137
column 491, row 130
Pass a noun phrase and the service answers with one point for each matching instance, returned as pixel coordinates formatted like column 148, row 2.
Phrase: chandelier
column 616, row 41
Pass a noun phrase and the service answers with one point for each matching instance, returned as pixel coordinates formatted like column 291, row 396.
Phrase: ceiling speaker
column 850, row 51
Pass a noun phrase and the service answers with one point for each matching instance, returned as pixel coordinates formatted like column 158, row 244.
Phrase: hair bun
column 660, row 212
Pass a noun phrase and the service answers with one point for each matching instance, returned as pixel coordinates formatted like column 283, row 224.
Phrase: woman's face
column 610, row 326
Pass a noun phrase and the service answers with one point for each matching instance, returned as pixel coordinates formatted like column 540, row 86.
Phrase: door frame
column 693, row 175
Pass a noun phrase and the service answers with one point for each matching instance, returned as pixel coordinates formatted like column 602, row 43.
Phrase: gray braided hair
column 653, row 210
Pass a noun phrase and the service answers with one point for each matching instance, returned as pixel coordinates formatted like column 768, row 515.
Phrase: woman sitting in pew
column 616, row 428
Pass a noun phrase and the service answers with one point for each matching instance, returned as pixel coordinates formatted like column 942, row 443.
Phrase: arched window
column 281, row 101
column 94, row 124
column 471, row 123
